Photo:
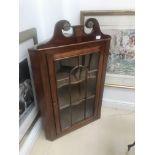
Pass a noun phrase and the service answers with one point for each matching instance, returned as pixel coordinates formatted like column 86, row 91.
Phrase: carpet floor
column 109, row 135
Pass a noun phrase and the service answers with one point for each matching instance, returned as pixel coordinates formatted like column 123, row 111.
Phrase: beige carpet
column 109, row 135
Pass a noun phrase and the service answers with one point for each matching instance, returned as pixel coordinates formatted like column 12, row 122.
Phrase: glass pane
column 90, row 106
column 65, row 117
column 78, row 92
column 63, row 96
column 91, row 60
column 78, row 111
column 76, row 88
column 91, row 83
column 77, row 83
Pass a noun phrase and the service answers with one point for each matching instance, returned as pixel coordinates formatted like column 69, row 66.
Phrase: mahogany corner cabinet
column 69, row 74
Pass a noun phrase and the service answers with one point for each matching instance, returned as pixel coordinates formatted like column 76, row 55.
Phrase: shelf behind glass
column 63, row 78
column 76, row 113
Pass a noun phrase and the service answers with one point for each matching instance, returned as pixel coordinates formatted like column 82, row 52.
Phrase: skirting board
column 118, row 104
column 31, row 138
column 26, row 148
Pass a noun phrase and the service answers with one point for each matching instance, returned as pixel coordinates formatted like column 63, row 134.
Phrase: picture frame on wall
column 120, row 24
column 28, row 109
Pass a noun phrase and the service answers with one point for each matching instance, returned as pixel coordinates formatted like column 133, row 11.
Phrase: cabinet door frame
column 51, row 59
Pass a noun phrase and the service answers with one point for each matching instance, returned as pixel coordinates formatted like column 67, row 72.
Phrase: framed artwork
column 28, row 109
column 120, row 25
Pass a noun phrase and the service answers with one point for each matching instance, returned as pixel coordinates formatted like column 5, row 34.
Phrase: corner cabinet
column 69, row 74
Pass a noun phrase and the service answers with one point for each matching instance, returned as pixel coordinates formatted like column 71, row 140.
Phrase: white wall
column 72, row 8
column 41, row 14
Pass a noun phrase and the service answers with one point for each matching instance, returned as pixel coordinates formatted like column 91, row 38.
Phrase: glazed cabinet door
column 76, row 80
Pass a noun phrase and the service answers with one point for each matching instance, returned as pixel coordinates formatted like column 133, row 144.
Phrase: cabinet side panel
column 104, row 53
column 44, row 100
